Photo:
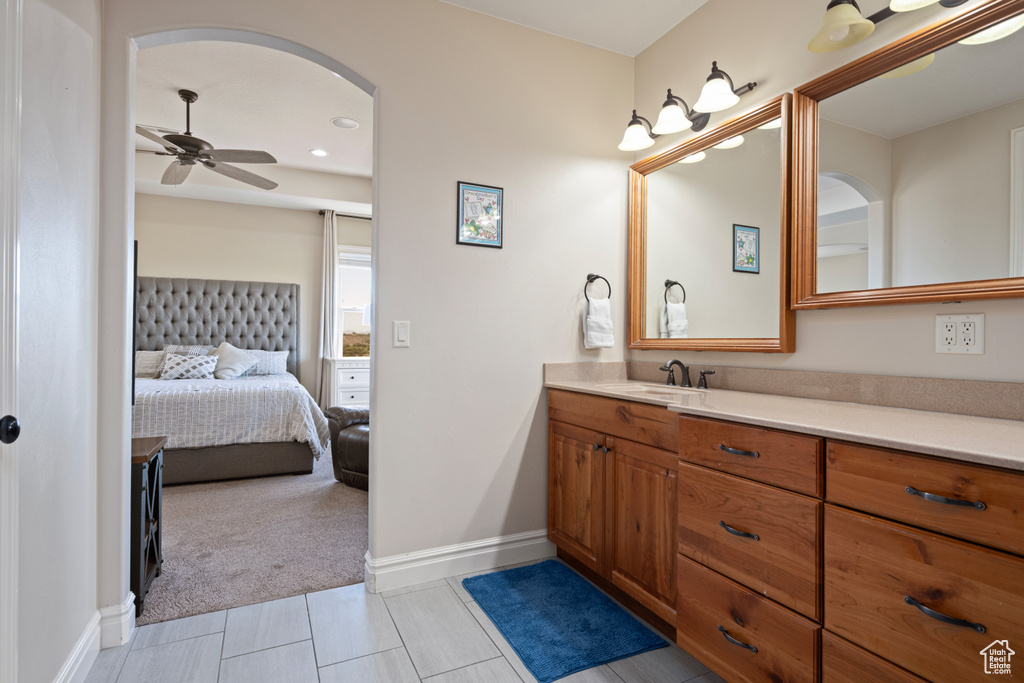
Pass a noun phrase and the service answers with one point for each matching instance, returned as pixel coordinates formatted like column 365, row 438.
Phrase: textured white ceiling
column 253, row 97
column 624, row 26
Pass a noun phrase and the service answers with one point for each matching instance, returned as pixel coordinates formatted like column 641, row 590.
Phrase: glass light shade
column 1000, row 30
column 910, row 67
column 730, row 143
column 771, row 125
column 909, row 5
column 842, row 26
column 635, row 138
column 672, row 119
column 716, row 96
column 693, row 158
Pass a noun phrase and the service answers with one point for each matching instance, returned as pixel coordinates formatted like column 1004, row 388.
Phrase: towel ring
column 671, row 283
column 590, row 279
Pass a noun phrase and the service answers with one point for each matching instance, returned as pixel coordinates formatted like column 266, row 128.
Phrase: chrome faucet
column 671, row 381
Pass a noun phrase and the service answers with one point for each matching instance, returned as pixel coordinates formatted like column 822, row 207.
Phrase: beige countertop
column 982, row 440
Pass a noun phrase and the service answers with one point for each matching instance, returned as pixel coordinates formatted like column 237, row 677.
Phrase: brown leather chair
column 350, row 445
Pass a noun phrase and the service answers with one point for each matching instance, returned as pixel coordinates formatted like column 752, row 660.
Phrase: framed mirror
column 909, row 169
column 709, row 228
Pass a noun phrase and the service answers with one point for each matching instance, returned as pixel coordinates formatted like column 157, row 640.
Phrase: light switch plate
column 400, row 334
column 960, row 333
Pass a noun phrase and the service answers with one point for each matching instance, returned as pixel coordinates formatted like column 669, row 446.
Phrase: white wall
column 459, row 431
column 57, row 366
column 212, row 240
column 847, row 273
column 769, row 45
column 691, row 210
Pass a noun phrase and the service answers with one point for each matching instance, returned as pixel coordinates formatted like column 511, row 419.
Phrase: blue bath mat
column 556, row 621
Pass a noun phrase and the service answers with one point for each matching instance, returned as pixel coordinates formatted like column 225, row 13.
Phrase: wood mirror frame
column 785, row 343
column 805, row 167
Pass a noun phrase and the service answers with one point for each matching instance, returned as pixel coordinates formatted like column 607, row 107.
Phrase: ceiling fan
column 191, row 151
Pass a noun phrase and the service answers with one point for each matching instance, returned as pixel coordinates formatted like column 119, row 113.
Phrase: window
column 354, row 282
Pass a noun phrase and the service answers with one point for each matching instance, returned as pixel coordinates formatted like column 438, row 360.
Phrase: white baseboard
column 117, row 622
column 76, row 667
column 400, row 571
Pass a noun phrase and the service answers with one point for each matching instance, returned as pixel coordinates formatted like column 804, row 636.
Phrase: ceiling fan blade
column 240, row 174
column 176, row 173
column 149, row 135
column 241, row 156
column 153, row 151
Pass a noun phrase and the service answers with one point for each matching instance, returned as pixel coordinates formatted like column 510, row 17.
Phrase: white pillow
column 147, row 364
column 183, row 350
column 232, row 361
column 177, row 366
column 269, row 362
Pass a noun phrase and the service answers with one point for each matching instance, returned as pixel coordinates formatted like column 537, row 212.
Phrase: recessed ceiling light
column 344, row 122
column 318, row 152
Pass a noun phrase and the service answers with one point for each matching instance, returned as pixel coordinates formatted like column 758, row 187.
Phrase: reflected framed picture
column 479, row 215
column 745, row 249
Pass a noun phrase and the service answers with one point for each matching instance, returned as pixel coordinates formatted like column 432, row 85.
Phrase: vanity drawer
column 844, row 662
column 873, row 566
column 876, row 480
column 782, row 563
column 739, row 634
column 640, row 422
column 792, row 461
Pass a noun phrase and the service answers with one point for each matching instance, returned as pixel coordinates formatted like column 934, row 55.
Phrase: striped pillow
column 177, row 366
column 182, row 350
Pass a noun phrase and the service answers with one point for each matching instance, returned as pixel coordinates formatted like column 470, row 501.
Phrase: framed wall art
column 479, row 215
column 745, row 249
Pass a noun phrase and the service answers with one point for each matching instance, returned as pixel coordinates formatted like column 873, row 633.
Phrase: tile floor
column 432, row 632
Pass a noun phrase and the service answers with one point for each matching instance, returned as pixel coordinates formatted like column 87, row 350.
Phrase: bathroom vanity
column 781, row 538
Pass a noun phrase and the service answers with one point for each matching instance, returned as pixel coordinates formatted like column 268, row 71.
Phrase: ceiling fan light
column 672, row 119
column 910, row 68
column 636, row 136
column 842, row 26
column 730, row 143
column 693, row 158
column 717, row 95
column 909, row 5
column 997, row 32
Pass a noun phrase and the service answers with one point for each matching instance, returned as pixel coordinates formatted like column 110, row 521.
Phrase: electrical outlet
column 960, row 333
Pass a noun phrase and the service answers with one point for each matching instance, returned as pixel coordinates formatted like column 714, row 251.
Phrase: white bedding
column 194, row 413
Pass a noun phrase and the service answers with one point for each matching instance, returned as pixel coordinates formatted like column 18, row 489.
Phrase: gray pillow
column 188, row 367
column 147, row 364
column 182, row 350
column 232, row 361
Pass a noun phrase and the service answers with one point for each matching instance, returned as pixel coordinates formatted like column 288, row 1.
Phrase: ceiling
column 253, row 97
column 624, row 26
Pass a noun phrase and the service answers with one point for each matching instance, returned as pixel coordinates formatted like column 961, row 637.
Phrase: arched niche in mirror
column 909, row 182
column 709, row 235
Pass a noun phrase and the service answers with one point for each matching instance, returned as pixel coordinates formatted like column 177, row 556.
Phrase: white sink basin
column 662, row 391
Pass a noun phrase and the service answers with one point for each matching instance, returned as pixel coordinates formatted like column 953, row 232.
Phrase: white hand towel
column 675, row 322
column 597, row 325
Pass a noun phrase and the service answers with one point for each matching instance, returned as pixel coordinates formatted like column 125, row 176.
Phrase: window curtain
column 327, row 347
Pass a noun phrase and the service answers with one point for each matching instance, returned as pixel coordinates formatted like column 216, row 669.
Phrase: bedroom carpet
column 233, row 543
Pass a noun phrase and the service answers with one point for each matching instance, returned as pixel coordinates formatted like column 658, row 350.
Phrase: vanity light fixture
column 638, row 134
column 997, row 32
column 730, row 143
column 771, row 125
column 693, row 158
column 843, row 25
column 719, row 93
column 676, row 117
column 910, row 68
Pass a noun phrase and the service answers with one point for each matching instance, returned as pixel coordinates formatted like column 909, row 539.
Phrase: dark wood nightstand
column 147, row 482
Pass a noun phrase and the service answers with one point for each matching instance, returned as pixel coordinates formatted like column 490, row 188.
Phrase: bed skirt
column 190, row 465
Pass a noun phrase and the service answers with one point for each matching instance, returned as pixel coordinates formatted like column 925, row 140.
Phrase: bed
column 226, row 429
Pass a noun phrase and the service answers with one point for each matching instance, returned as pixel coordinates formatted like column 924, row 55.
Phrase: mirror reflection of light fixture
column 676, row 116
column 638, row 134
column 719, row 93
column 771, row 125
column 843, row 25
column 735, row 141
column 910, row 67
column 693, row 158
column 1000, row 30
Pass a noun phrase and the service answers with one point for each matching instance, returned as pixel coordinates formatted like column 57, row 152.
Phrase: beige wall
column 769, row 45
column 218, row 241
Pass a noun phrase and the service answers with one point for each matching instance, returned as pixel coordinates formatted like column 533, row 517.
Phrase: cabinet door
column 643, row 525
column 576, row 484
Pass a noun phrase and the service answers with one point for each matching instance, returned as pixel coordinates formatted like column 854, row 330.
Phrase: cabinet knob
column 10, row 429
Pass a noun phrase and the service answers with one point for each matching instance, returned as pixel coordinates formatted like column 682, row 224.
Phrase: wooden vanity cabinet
column 612, row 494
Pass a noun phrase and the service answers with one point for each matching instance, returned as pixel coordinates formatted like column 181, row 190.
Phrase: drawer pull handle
column 736, row 642
column 945, row 501
column 737, row 532
column 943, row 617
column 736, row 451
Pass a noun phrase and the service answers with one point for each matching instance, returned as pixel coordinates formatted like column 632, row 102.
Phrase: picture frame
column 746, row 249
column 479, row 221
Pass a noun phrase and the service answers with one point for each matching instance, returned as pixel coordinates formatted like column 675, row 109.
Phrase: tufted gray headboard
column 249, row 315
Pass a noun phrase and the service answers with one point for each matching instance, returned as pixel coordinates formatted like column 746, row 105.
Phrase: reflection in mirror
column 915, row 179
column 692, row 207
